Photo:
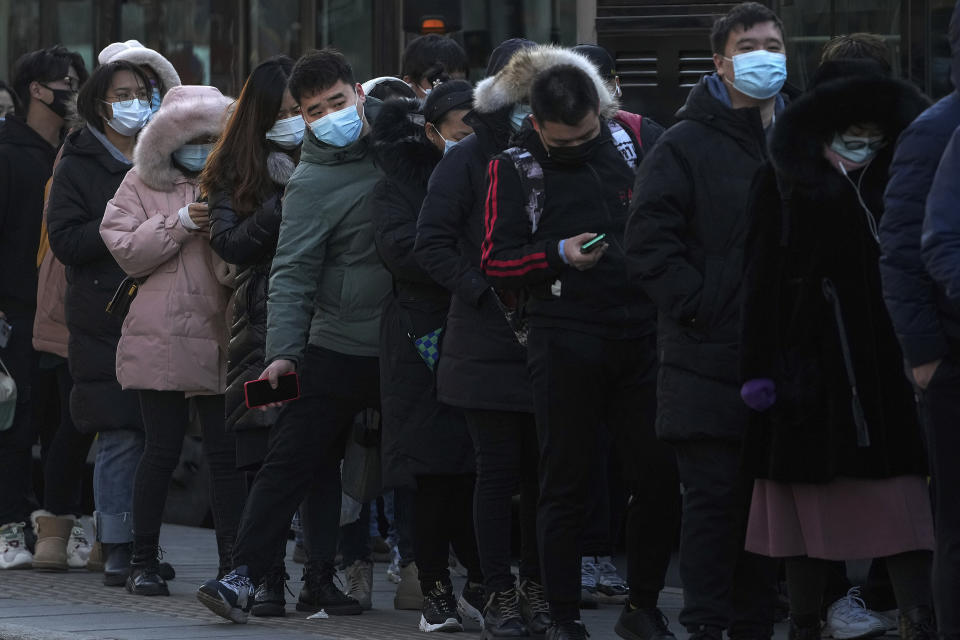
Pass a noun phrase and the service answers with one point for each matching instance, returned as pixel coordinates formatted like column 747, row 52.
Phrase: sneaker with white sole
column 611, row 588
column 440, row 610
column 470, row 606
column 848, row 618
column 78, row 548
column 230, row 597
column 588, row 583
column 393, row 569
column 13, row 547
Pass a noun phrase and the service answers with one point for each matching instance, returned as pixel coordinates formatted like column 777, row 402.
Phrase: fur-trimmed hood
column 280, row 166
column 796, row 146
column 187, row 112
column 400, row 145
column 133, row 51
column 512, row 84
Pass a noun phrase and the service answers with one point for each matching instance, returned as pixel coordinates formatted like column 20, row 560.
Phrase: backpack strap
column 531, row 180
column 628, row 144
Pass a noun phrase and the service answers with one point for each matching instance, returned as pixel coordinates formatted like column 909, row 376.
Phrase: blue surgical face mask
column 155, row 100
column 340, row 128
column 857, row 149
column 129, row 116
column 287, row 133
column 193, row 157
column 519, row 115
column 447, row 144
column 759, row 74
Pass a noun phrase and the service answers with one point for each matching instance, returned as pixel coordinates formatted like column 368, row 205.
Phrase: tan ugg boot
column 52, row 532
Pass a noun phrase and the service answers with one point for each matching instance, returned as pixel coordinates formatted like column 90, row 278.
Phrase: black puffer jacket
column 808, row 225
column 483, row 366
column 249, row 242
column 86, row 179
column 685, row 241
column 420, row 435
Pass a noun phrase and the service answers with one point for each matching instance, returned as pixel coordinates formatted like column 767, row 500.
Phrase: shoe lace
column 509, row 602
column 441, row 598
column 852, row 606
column 536, row 597
column 236, row 581
column 355, row 579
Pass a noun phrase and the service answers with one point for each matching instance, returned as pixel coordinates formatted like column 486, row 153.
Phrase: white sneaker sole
column 222, row 608
column 854, row 634
column 470, row 613
column 22, row 560
column 450, row 625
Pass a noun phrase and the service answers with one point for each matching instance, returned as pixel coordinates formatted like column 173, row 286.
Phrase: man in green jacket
column 326, row 290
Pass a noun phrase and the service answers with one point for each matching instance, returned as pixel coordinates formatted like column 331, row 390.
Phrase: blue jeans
column 118, row 454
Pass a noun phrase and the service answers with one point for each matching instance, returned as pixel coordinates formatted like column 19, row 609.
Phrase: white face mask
column 759, row 74
column 129, row 116
column 340, row 128
column 519, row 115
column 857, row 149
column 193, row 157
column 287, row 133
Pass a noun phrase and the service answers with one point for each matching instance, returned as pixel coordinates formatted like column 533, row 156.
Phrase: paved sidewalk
column 76, row 606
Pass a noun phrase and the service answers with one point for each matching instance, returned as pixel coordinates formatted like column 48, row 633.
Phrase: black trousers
column 308, row 444
column 723, row 586
column 941, row 411
column 443, row 517
column 165, row 421
column 507, row 454
column 580, row 383
column 66, row 457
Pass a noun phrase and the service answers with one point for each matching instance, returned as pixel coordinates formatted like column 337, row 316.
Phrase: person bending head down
column 566, row 113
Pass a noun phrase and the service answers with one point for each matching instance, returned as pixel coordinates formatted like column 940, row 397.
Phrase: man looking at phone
column 327, row 287
column 590, row 343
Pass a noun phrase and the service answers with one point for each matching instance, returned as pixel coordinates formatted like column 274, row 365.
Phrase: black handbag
column 119, row 304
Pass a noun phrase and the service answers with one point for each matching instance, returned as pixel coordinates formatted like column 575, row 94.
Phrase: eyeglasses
column 856, row 144
column 123, row 96
column 72, row 83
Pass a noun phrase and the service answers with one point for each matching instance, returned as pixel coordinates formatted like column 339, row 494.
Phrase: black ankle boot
column 225, row 551
column 144, row 579
column 269, row 600
column 116, row 563
column 918, row 624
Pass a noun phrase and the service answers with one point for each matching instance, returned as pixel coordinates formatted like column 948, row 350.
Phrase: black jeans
column 16, row 498
column 309, row 442
column 505, row 444
column 941, row 412
column 580, row 383
column 443, row 516
column 723, row 585
column 165, row 421
column 66, row 459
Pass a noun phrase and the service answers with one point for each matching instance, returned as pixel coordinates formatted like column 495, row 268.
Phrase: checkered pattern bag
column 428, row 346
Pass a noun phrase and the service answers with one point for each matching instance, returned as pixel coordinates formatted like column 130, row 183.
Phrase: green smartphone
column 590, row 245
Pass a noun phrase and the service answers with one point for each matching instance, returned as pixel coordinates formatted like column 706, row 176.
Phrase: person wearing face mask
column 114, row 105
column 425, row 444
column 583, row 350
column 431, row 59
column 46, row 82
column 833, row 439
column 685, row 241
column 160, row 72
column 483, row 370
column 245, row 178
column 327, row 289
column 173, row 342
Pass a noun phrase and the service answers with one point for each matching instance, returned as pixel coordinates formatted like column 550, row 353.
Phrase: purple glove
column 759, row 394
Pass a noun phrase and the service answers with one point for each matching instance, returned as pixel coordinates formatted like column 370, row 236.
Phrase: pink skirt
column 847, row 519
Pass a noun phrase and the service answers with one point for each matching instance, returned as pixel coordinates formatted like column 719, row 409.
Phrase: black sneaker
column 229, row 597
column 269, row 600
column 470, row 605
column 572, row 630
column 319, row 592
column 440, row 610
column 502, row 617
column 144, row 579
column 643, row 624
column 534, row 608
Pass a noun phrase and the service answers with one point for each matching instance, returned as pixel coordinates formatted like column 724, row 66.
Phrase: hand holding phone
column 591, row 245
column 584, row 251
column 260, row 393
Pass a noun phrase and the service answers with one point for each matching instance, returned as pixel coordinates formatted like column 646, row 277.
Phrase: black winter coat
column 685, row 240
column 483, row 366
column 86, row 179
column 249, row 242
column 26, row 162
column 421, row 436
column 808, row 226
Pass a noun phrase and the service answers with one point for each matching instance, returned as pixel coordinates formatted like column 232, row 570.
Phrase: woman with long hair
column 174, row 339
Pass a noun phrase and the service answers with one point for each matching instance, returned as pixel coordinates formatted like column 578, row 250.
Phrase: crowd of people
column 739, row 334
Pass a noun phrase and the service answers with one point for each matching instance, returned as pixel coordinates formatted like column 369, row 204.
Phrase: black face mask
column 575, row 155
column 61, row 98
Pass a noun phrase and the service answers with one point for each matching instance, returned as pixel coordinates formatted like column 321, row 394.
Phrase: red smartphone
column 260, row 393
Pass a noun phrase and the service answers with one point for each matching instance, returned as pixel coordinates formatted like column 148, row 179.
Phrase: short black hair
column 45, row 65
column 563, row 93
column 13, row 95
column 317, row 71
column 745, row 15
column 858, row 46
column 94, row 91
column 431, row 56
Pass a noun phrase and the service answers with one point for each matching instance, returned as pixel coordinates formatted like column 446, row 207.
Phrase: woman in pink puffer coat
column 173, row 343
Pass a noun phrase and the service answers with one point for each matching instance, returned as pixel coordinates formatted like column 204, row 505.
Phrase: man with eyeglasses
column 46, row 82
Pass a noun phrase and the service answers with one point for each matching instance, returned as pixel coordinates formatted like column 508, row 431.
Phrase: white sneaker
column 849, row 618
column 78, row 548
column 611, row 588
column 13, row 547
column 588, row 583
